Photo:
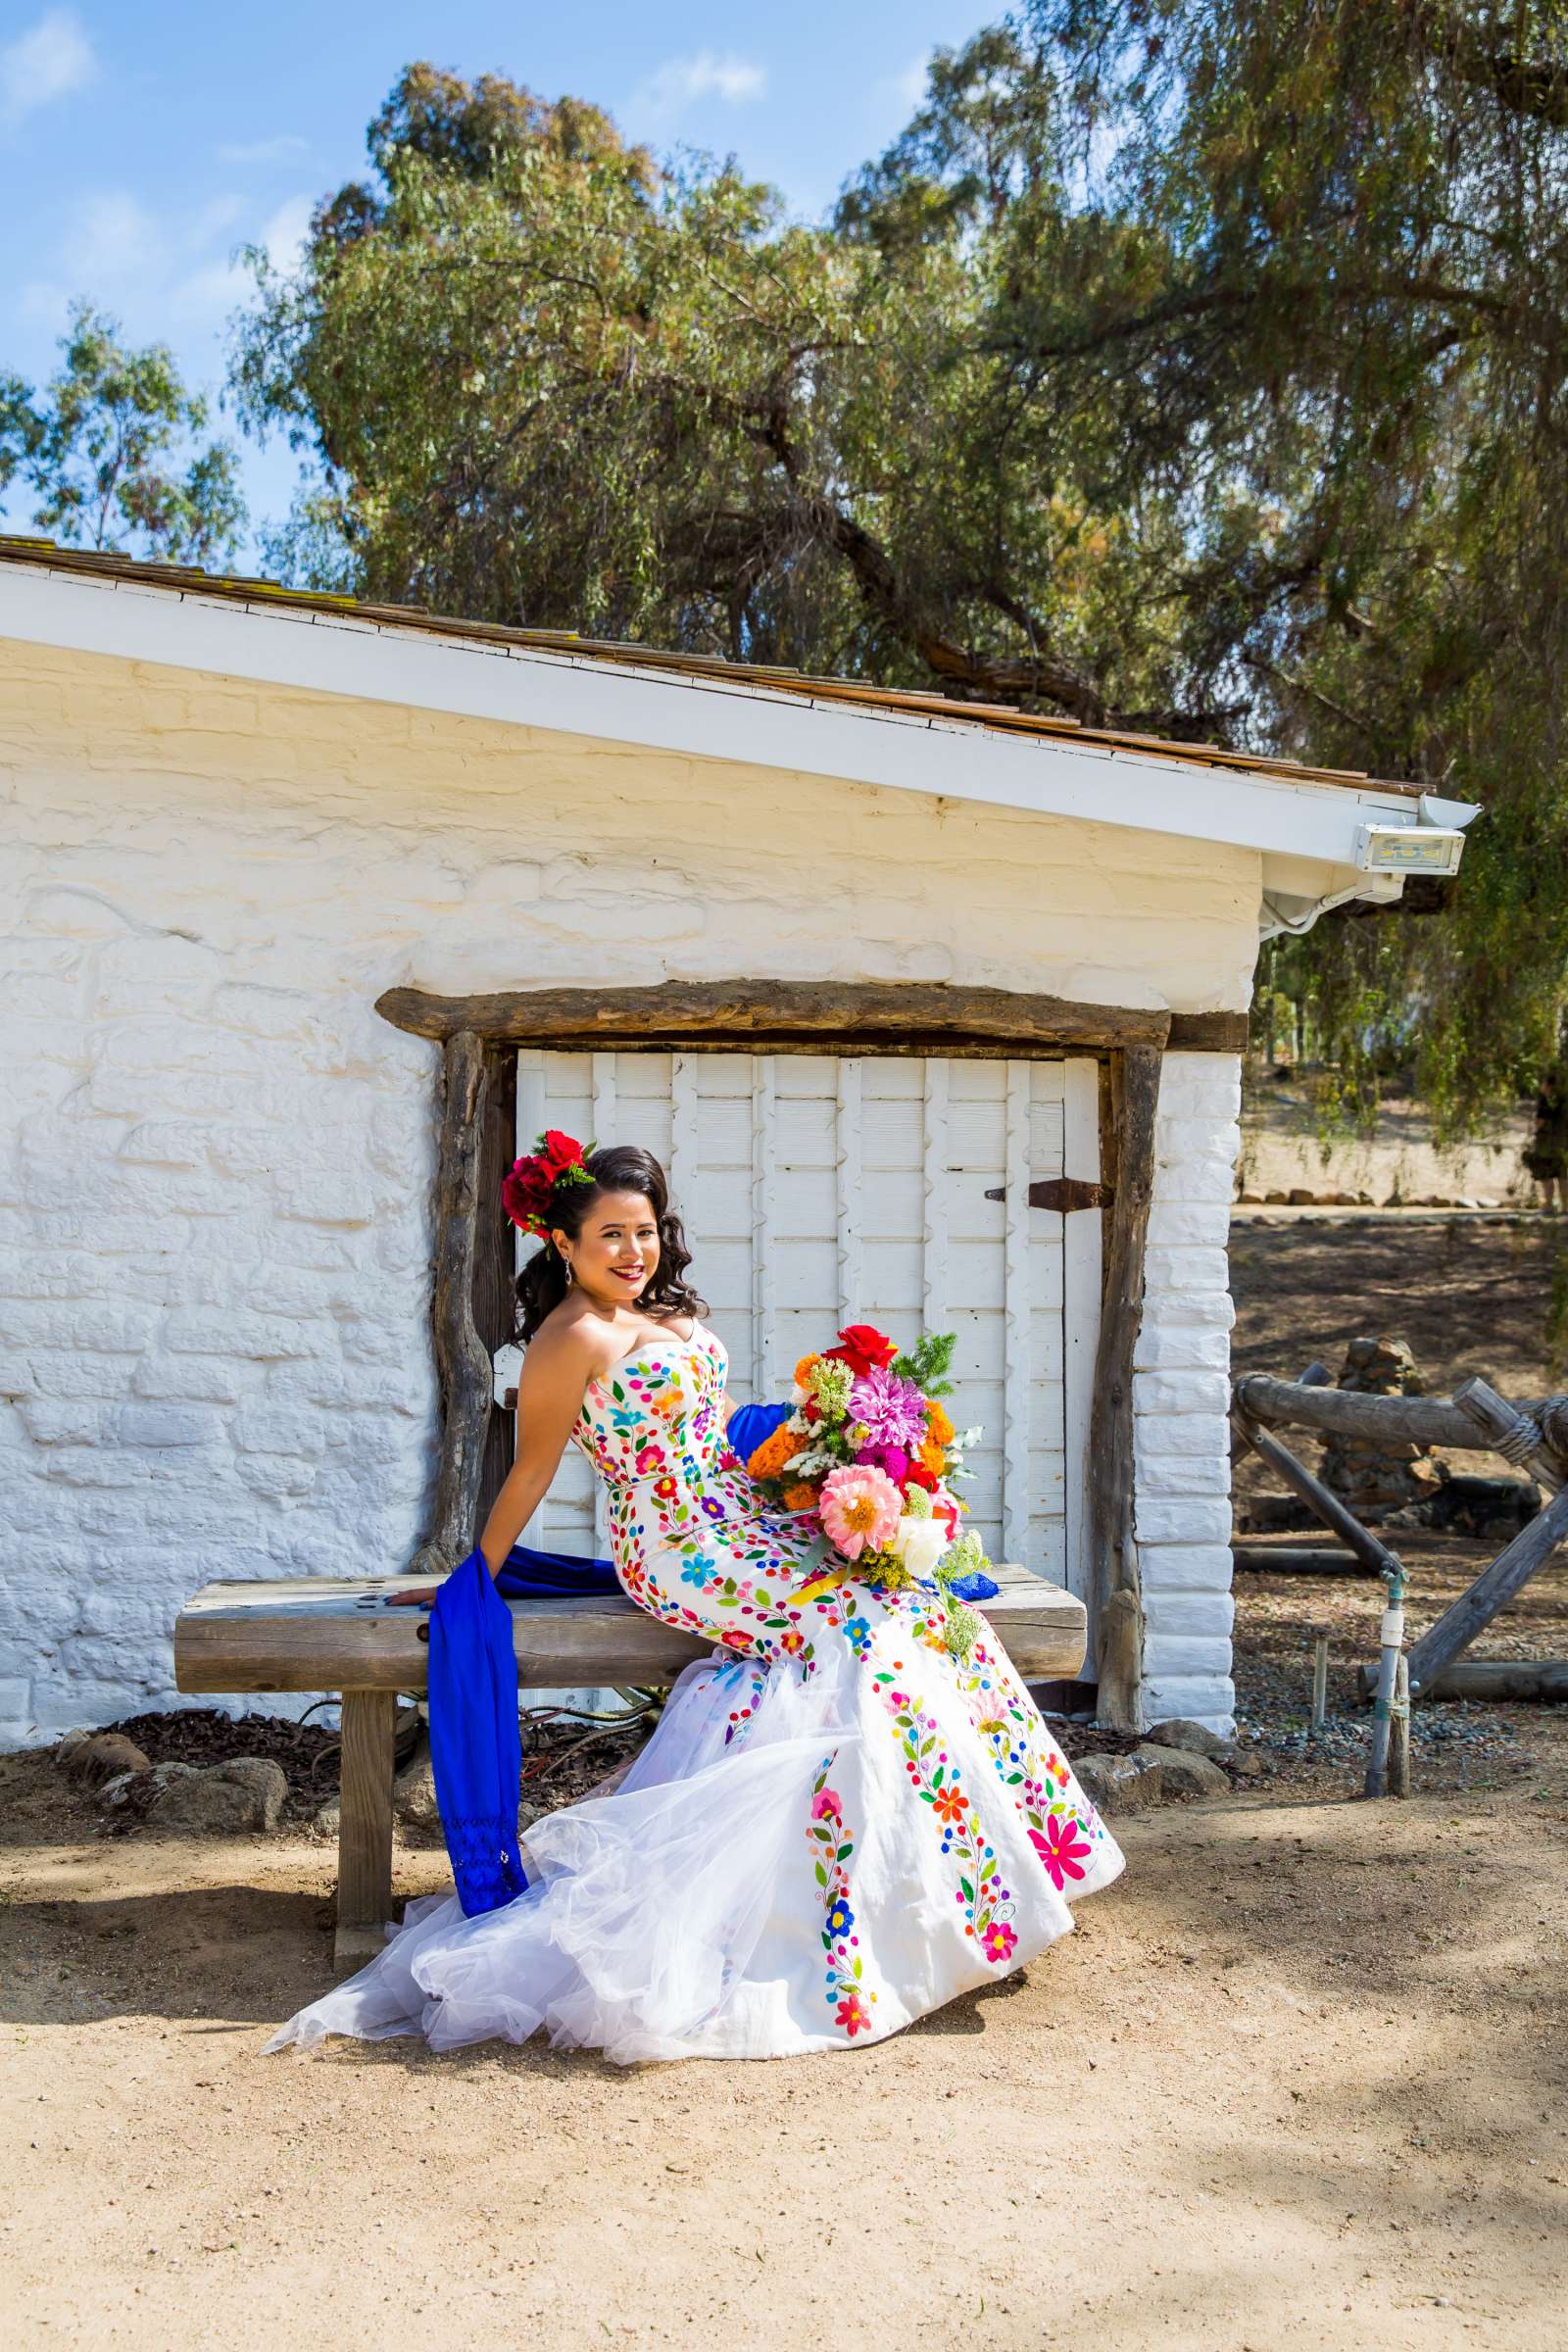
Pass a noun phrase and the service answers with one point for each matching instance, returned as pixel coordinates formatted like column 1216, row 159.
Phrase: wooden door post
column 462, row 1361
column 1118, row 1591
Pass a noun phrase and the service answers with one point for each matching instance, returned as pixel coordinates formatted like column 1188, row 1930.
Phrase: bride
column 837, row 1826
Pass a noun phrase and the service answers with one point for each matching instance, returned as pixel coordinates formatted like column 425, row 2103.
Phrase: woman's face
column 615, row 1257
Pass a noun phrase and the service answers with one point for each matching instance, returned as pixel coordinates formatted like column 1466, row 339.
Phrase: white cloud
column 287, row 144
column 681, row 82
column 908, row 87
column 285, row 233
column 213, row 217
column 49, row 61
column 44, row 305
column 209, row 294
column 109, row 239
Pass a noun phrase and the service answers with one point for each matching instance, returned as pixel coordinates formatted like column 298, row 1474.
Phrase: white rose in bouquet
column 919, row 1544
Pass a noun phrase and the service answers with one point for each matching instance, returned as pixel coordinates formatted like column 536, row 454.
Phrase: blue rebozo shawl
column 475, row 1745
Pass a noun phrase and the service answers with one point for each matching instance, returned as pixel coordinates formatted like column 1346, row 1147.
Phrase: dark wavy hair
column 619, row 1169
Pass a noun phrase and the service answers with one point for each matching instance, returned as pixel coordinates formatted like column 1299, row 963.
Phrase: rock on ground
column 248, row 1793
column 413, row 1792
column 1182, row 1773
column 1179, row 1731
column 94, row 1758
column 1120, row 1784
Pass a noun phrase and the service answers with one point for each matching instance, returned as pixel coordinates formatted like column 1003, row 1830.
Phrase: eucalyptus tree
column 1347, row 358
column 551, row 382
column 112, row 452
column 1189, row 365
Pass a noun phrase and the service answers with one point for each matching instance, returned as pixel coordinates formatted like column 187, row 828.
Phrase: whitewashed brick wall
column 215, row 1161
column 214, row 1285
column 1181, row 1394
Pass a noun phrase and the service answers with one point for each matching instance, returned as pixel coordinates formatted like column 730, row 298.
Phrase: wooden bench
column 330, row 1633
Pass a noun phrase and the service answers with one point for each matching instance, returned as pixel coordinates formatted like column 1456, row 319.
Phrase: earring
column 570, row 1277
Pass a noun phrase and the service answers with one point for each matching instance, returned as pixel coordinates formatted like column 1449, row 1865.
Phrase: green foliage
column 107, row 452
column 928, row 1363
column 1350, row 361
column 549, row 385
column 1191, row 364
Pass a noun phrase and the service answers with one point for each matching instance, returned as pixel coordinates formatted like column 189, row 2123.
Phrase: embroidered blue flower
column 698, row 1574
column 840, row 1917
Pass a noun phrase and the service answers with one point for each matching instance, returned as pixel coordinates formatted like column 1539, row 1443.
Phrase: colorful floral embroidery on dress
column 847, row 1992
column 995, row 1829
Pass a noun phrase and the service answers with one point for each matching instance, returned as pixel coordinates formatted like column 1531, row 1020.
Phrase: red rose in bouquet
column 863, row 1348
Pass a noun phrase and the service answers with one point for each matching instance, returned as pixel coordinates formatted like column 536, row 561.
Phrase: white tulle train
column 639, row 1934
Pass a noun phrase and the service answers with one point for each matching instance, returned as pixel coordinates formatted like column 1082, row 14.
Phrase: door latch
column 1062, row 1194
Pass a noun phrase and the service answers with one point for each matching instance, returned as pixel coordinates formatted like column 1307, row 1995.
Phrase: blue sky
column 142, row 143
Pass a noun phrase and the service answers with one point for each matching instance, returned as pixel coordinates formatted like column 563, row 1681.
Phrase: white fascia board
column 699, row 716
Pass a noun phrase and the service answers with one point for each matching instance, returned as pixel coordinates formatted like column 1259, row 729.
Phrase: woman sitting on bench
column 837, row 1826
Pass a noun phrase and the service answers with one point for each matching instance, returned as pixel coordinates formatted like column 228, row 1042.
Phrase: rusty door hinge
column 1062, row 1194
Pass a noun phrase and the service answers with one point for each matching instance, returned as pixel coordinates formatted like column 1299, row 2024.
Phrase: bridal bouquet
column 871, row 1453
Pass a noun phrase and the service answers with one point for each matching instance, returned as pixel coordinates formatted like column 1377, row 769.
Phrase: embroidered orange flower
column 949, row 1804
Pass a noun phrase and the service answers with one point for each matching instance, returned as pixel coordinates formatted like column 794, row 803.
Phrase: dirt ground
column 1298, row 2079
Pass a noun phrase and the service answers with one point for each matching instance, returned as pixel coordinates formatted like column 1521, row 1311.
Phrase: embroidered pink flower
column 852, row 2014
column 1060, row 1849
column 826, row 1805
column 999, row 1940
column 860, row 1509
column 649, row 1458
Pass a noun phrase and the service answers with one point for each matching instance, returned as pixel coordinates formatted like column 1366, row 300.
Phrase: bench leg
column 365, row 1829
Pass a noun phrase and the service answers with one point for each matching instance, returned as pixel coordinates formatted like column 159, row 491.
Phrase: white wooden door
column 823, row 1189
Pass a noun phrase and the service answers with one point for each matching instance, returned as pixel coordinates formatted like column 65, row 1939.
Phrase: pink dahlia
column 890, row 1459
column 891, row 1410
column 860, row 1509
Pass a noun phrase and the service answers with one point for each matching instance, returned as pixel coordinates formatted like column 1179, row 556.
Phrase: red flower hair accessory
column 527, row 1195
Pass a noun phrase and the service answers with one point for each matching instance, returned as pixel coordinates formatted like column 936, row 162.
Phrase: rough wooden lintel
column 1207, row 1033
column 880, row 1016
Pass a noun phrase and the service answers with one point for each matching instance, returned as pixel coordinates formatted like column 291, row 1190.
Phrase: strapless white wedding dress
column 835, row 1827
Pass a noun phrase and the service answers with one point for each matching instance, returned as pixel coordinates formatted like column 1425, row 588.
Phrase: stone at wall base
column 98, row 1757
column 1120, row 1784
column 247, row 1794
column 1180, row 1731
column 1183, row 1773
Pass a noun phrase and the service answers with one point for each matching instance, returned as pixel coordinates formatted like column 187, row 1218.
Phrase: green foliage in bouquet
column 928, row 1363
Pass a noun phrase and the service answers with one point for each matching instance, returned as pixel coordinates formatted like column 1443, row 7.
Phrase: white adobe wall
column 1181, row 1393
column 215, row 1161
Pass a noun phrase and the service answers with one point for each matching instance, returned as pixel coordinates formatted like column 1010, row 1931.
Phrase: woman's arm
column 555, row 1373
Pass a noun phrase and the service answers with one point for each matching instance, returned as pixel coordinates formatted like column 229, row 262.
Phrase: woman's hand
column 419, row 1600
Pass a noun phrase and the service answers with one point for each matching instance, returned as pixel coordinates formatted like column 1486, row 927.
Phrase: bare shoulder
column 568, row 1348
